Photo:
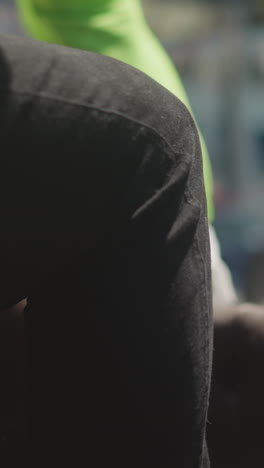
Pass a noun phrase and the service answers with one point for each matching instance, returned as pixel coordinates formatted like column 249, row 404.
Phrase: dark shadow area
column 235, row 429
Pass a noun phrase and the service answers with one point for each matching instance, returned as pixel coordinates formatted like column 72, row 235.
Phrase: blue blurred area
column 230, row 111
column 218, row 47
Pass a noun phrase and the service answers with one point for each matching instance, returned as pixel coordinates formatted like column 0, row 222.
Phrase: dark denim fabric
column 104, row 229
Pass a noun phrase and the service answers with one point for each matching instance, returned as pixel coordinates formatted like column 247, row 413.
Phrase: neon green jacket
column 111, row 27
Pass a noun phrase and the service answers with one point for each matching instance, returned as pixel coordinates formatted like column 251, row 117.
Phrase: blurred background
column 218, row 48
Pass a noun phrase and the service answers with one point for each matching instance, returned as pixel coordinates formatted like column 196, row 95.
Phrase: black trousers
column 104, row 230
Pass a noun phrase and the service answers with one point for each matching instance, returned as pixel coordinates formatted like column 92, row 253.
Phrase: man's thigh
column 103, row 171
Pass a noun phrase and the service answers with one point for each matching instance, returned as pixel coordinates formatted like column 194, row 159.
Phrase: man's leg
column 102, row 171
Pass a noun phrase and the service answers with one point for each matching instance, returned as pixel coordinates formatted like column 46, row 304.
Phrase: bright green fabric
column 111, row 27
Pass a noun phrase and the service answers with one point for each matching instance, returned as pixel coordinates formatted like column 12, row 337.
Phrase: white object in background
column 224, row 292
